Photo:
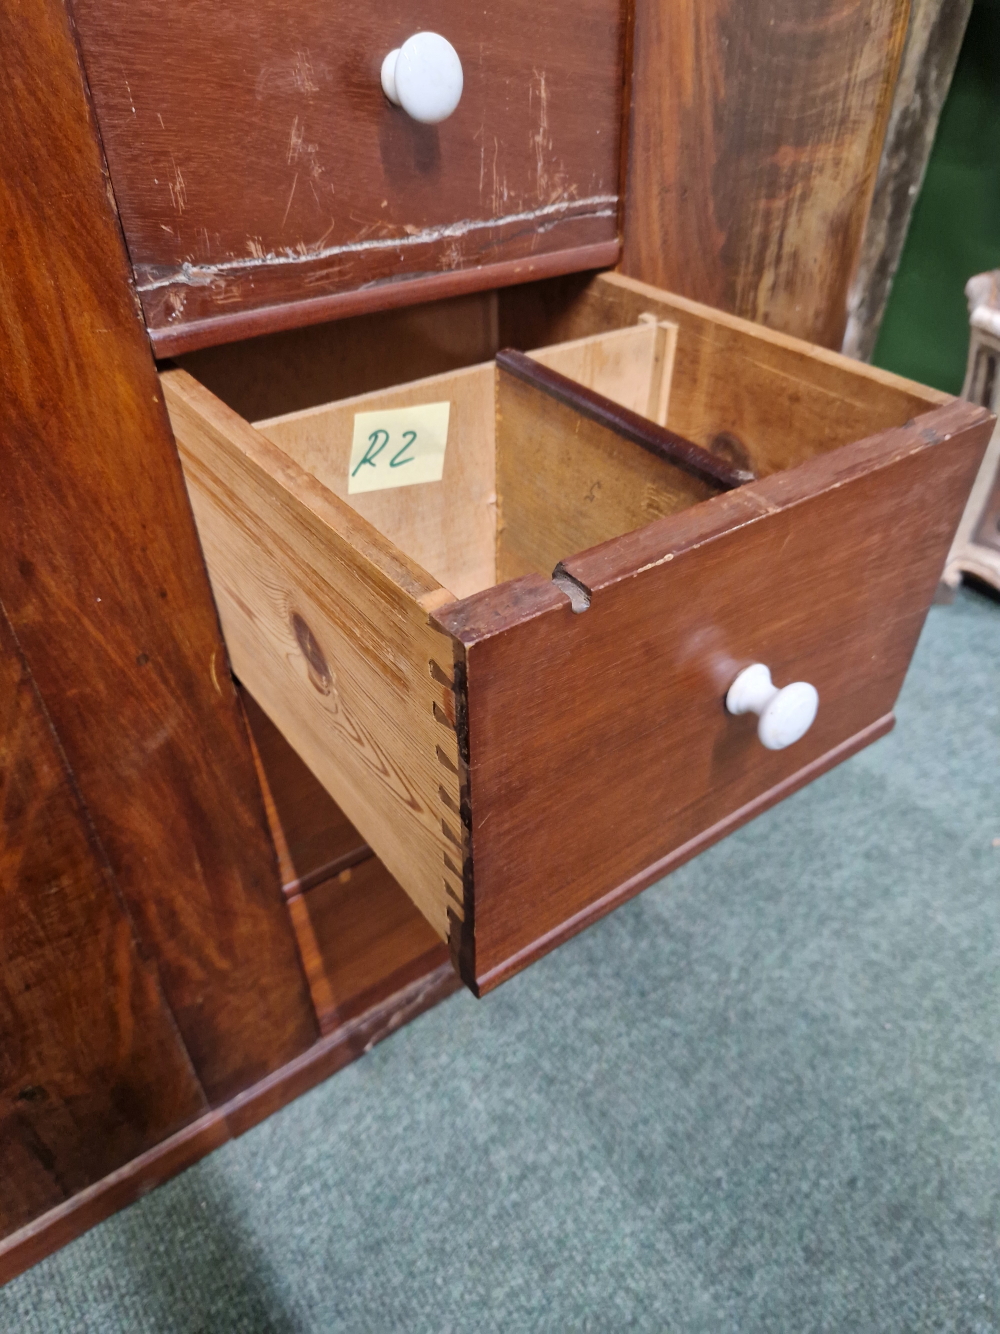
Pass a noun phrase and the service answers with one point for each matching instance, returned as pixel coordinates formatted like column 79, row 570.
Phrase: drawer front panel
column 256, row 161
column 600, row 751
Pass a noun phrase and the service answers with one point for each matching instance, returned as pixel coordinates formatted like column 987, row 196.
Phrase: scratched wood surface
column 598, row 743
column 103, row 581
column 92, row 1069
column 755, row 133
column 256, row 161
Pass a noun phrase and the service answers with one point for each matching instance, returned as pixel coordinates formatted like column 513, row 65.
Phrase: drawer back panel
column 257, row 164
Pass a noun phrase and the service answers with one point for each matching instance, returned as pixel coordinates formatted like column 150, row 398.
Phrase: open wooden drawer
column 513, row 680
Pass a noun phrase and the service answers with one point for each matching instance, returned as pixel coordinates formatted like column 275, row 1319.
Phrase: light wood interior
column 757, row 398
column 746, row 392
column 326, row 623
column 566, row 483
column 450, row 527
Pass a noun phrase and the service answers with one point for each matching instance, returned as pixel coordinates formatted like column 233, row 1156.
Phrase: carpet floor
column 765, row 1095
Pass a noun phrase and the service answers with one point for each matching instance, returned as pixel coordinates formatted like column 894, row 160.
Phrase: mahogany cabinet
column 512, row 680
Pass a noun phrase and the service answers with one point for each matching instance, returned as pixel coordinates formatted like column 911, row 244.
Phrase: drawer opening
column 754, row 397
column 528, row 477
column 422, row 648
column 360, row 938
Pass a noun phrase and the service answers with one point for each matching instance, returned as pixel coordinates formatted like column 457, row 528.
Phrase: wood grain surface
column 566, row 482
column 287, row 372
column 92, row 1069
column 933, row 41
column 314, row 838
column 247, row 1109
column 367, row 939
column 327, row 626
column 448, row 527
column 256, row 161
column 660, row 441
column 104, row 584
column 259, row 321
column 633, row 367
column 751, row 393
column 755, row 133
column 599, row 743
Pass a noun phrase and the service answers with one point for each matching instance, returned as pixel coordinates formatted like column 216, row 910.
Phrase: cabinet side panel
column 92, row 1069
column 104, row 584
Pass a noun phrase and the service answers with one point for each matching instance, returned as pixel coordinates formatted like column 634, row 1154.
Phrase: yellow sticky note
column 398, row 447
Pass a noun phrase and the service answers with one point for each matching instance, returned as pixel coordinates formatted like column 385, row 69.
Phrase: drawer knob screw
column 785, row 715
column 424, row 77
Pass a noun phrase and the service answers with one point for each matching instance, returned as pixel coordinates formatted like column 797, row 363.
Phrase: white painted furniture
column 976, row 548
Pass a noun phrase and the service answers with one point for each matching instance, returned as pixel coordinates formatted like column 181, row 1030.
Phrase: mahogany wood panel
column 215, row 330
column 598, row 742
column 136, row 1178
column 256, row 161
column 303, row 368
column 92, row 1070
column 103, row 580
column 755, row 133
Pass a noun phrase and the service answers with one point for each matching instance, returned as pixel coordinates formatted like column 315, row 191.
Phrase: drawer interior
column 516, row 461
column 350, row 616
column 520, row 491
column 360, row 938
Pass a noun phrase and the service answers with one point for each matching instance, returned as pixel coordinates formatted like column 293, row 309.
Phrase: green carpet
column 765, row 1095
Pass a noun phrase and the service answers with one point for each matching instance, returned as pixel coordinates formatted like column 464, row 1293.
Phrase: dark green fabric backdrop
column 955, row 230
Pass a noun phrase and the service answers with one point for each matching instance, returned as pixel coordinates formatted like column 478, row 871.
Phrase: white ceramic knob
column 424, row 77
column 785, row 715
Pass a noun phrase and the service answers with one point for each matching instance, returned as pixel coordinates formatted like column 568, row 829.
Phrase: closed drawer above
column 514, row 679
column 264, row 180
